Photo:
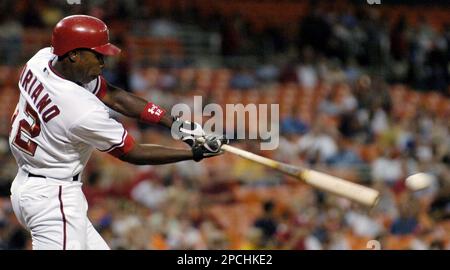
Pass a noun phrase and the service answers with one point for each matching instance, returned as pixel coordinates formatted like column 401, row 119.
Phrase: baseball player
column 61, row 117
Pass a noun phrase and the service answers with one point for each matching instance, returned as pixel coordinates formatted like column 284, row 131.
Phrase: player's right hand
column 209, row 148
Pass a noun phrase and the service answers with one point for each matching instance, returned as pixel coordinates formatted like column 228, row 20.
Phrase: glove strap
column 152, row 113
column 197, row 153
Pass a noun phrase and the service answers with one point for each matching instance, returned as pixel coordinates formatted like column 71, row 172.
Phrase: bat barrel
column 355, row 192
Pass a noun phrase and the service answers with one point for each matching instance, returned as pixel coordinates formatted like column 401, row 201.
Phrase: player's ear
column 72, row 55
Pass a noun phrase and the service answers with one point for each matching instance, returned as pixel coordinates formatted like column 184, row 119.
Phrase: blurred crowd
column 346, row 78
column 409, row 46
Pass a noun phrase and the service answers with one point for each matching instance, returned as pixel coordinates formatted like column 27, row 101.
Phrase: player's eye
column 100, row 58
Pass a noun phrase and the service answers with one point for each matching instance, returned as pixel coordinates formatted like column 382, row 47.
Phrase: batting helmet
column 82, row 31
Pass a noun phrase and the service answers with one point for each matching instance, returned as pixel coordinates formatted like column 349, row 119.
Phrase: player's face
column 90, row 65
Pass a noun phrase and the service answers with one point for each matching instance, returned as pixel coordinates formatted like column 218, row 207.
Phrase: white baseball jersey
column 58, row 123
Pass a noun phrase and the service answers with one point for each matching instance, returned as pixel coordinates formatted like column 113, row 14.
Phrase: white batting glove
column 187, row 131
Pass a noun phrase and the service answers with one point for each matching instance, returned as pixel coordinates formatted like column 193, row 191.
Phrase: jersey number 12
column 33, row 130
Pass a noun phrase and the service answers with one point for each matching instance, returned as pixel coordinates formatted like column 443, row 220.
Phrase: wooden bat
column 352, row 191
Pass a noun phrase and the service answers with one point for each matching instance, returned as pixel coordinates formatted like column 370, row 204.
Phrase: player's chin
column 87, row 79
column 92, row 77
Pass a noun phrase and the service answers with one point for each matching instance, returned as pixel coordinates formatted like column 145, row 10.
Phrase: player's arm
column 136, row 107
column 96, row 128
column 152, row 154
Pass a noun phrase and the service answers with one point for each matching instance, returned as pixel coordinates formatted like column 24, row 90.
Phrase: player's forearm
column 125, row 103
column 132, row 105
column 166, row 120
column 150, row 154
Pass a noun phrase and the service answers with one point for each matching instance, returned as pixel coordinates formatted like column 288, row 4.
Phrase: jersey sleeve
column 102, row 132
column 98, row 87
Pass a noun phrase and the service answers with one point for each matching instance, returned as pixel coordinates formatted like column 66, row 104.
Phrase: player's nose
column 101, row 60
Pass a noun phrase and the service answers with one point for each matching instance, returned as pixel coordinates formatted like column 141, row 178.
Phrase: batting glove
column 187, row 131
column 209, row 148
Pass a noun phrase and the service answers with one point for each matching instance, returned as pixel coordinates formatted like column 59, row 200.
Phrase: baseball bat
column 325, row 182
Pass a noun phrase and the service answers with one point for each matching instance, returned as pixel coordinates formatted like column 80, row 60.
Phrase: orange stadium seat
column 368, row 152
column 204, row 78
column 221, row 79
column 356, row 242
column 394, row 242
column 235, row 219
column 158, row 242
column 187, row 75
column 152, row 49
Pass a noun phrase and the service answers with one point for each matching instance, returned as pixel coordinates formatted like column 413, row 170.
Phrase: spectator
column 267, row 223
column 387, row 168
column 391, row 128
column 243, row 79
column 345, row 156
column 317, row 145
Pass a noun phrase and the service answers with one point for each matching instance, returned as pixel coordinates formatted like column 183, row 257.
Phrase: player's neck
column 66, row 71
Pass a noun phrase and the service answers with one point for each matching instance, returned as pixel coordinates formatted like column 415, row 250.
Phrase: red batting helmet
column 82, row 31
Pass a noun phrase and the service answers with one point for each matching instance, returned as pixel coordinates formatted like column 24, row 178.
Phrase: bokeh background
column 363, row 92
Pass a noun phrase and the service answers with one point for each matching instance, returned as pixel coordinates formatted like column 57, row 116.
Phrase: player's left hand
column 209, row 147
column 187, row 131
